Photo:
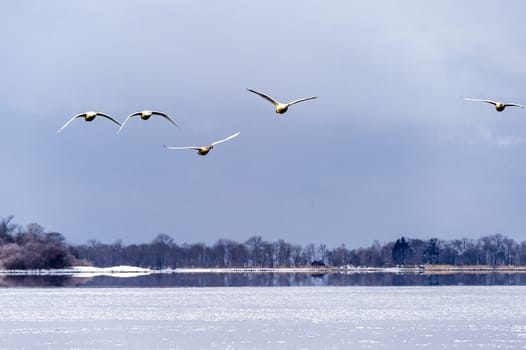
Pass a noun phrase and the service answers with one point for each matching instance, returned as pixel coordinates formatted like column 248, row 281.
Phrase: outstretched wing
column 127, row 118
column 225, row 139
column 301, row 100
column 162, row 114
column 266, row 97
column 478, row 100
column 72, row 119
column 109, row 117
column 513, row 105
column 189, row 147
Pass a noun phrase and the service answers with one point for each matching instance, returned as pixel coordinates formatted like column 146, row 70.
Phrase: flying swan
column 88, row 116
column 281, row 107
column 145, row 115
column 203, row 150
column 499, row 106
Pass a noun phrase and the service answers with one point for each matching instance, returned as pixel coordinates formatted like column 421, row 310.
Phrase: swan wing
column 479, row 100
column 126, row 120
column 72, row 119
column 301, row 100
column 225, row 139
column 162, row 114
column 178, row 148
column 513, row 105
column 266, row 97
column 109, row 117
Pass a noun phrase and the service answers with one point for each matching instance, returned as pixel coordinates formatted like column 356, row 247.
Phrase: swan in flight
column 281, row 107
column 88, row 116
column 145, row 115
column 499, row 106
column 203, row 150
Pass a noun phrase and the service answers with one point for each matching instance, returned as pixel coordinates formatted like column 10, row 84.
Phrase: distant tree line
column 163, row 252
column 32, row 248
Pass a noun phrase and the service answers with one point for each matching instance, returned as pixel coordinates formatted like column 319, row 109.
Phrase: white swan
column 203, row 150
column 499, row 106
column 281, row 107
column 145, row 115
column 89, row 116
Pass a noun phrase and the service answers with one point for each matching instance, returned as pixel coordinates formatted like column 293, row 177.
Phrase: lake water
column 267, row 280
column 356, row 317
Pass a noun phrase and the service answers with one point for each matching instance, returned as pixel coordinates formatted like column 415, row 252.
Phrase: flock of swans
column 201, row 150
column 280, row 108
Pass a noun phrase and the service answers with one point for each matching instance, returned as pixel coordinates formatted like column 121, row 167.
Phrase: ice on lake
column 459, row 317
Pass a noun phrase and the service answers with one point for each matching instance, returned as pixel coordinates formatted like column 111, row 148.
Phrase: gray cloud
column 389, row 148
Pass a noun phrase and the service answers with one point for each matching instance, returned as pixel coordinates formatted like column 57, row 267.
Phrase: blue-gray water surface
column 267, row 280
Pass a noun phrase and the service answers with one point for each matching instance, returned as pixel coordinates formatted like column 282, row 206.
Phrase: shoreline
column 132, row 271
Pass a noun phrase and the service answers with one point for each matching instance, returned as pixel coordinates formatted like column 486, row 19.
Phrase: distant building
column 318, row 263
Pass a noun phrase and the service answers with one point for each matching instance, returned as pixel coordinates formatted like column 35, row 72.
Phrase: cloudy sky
column 390, row 148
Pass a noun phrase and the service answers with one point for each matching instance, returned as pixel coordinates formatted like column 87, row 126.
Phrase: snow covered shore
column 133, row 271
column 84, row 271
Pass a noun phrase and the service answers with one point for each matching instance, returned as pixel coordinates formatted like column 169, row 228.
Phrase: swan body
column 89, row 116
column 499, row 106
column 203, row 150
column 281, row 107
column 145, row 115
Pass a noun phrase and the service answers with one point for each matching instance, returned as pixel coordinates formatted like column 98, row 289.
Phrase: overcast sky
column 389, row 149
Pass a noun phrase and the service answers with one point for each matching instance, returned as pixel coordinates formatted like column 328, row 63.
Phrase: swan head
column 281, row 108
column 203, row 151
column 499, row 106
column 90, row 116
column 146, row 114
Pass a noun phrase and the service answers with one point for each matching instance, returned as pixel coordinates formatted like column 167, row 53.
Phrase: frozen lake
column 451, row 317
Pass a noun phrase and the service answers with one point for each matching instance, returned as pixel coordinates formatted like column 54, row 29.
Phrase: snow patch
column 85, row 271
